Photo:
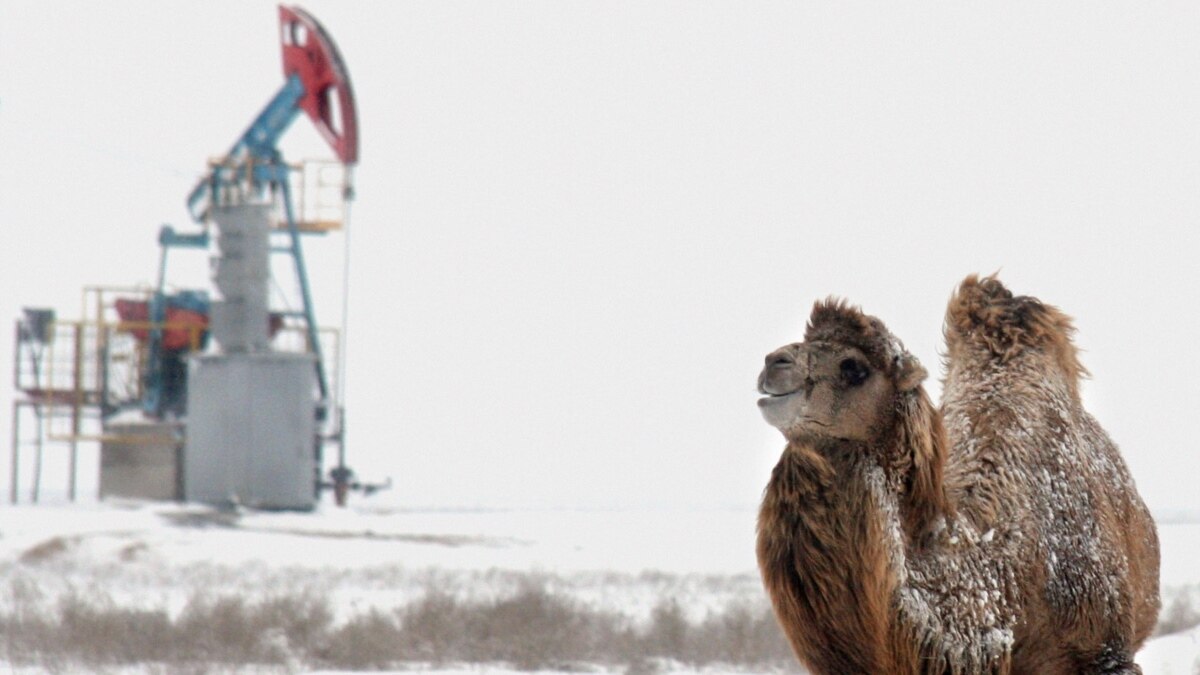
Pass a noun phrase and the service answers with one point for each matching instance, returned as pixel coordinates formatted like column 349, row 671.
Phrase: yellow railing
column 319, row 186
column 88, row 365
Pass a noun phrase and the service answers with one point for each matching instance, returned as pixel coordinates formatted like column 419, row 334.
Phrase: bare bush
column 433, row 628
column 115, row 634
column 45, row 551
column 1181, row 613
column 531, row 629
column 528, row 628
column 740, row 635
column 369, row 641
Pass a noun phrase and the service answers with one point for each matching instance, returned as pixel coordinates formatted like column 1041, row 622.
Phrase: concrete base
column 140, row 460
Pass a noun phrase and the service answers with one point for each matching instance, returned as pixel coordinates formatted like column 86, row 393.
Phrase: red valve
column 310, row 53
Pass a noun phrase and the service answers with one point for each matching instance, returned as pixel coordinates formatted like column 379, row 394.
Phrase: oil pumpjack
column 225, row 413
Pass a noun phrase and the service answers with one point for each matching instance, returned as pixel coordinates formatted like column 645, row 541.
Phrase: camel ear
column 909, row 372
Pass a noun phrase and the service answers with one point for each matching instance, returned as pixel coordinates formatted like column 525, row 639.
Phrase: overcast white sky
column 581, row 225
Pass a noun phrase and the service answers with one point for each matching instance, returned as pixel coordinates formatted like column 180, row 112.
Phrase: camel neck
column 828, row 543
column 848, row 585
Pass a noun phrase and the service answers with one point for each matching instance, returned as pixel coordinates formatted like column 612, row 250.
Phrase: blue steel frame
column 254, row 152
column 253, row 163
column 152, row 379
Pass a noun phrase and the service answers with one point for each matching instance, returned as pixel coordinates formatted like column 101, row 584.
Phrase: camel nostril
column 780, row 361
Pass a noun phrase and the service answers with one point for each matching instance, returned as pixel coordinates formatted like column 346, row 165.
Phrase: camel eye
column 854, row 372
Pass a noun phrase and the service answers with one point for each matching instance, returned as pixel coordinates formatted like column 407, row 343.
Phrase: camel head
column 851, row 383
column 842, row 382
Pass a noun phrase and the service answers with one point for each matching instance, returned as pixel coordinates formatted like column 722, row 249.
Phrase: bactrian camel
column 1000, row 534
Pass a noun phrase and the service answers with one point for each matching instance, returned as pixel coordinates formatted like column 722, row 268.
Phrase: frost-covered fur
column 1012, row 540
column 1031, row 465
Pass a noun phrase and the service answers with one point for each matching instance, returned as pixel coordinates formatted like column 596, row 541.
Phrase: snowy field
column 375, row 559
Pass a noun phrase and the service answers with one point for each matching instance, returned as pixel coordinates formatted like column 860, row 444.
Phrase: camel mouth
column 771, row 398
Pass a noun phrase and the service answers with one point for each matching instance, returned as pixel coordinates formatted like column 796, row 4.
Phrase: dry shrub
column 274, row 630
column 534, row 629
column 114, row 634
column 434, row 628
column 81, row 633
column 229, row 631
column 27, row 638
column 740, row 635
column 370, row 641
column 1182, row 613
column 44, row 551
column 668, row 632
column 529, row 628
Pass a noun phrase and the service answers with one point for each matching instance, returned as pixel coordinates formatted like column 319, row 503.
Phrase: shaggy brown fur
column 1012, row 540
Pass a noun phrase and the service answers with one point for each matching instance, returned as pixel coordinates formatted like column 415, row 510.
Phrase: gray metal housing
column 251, row 430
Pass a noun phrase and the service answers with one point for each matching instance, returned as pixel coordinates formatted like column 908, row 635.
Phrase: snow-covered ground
column 153, row 555
column 158, row 556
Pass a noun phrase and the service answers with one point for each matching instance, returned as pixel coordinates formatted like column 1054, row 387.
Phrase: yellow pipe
column 132, row 439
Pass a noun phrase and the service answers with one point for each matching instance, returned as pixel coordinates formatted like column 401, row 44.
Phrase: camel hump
column 985, row 315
